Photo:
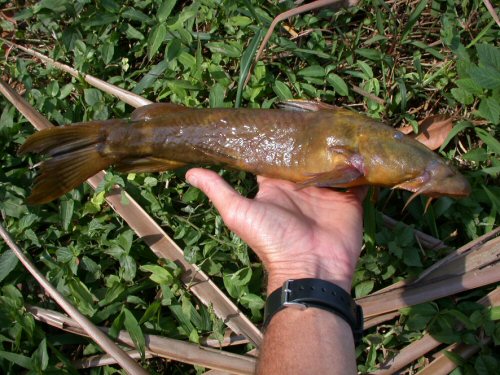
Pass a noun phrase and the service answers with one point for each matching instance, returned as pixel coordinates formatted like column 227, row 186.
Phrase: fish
column 309, row 143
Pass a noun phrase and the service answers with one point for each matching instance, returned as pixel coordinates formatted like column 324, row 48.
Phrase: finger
column 222, row 195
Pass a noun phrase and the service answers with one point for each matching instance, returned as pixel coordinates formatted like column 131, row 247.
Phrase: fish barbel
column 318, row 146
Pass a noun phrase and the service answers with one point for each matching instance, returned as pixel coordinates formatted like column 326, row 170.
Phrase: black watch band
column 304, row 293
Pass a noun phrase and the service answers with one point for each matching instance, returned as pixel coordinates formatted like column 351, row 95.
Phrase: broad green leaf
column 41, row 356
column 312, row 71
column 136, row 15
column 132, row 33
column 133, row 328
column 107, row 52
column 83, row 297
column 125, row 240
column 156, row 38
column 66, row 211
column 8, row 261
column 364, row 288
column 494, row 313
column 489, row 55
column 92, row 96
column 366, row 69
column 110, row 5
column 129, row 267
column 485, row 76
column 463, row 96
column 282, row 91
column 165, row 9
column 158, row 274
column 216, row 97
column 469, row 85
column 224, row 49
column 57, row 6
column 18, row 359
column 64, row 255
column 369, row 53
column 149, row 78
column 178, row 23
column 489, row 108
column 411, row 257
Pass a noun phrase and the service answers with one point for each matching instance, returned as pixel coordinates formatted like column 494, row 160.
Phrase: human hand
column 297, row 233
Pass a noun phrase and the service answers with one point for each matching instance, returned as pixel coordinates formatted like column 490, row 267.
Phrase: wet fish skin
column 322, row 147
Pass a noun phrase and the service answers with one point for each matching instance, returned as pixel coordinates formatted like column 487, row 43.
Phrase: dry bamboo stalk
column 460, row 253
column 126, row 362
column 426, row 344
column 379, row 319
column 442, row 365
column 159, row 242
column 396, row 299
column 161, row 346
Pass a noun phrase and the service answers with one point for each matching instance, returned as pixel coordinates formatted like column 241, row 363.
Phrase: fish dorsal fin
column 147, row 164
column 306, row 106
column 147, row 112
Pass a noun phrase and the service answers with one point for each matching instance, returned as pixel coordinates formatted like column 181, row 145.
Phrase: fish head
column 438, row 179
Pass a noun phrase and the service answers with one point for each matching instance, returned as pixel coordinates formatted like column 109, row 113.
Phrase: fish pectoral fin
column 150, row 111
column 306, row 106
column 339, row 177
column 147, row 164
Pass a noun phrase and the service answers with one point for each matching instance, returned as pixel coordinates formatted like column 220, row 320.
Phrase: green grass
column 418, row 59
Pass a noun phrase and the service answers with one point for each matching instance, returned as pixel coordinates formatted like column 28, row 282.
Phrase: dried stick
column 492, row 11
column 131, row 366
column 161, row 346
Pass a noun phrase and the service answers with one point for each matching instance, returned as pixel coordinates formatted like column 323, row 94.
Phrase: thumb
column 225, row 199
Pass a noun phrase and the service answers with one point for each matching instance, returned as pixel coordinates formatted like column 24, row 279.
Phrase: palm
column 291, row 228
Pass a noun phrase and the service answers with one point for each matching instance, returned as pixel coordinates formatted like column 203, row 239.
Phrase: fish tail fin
column 76, row 153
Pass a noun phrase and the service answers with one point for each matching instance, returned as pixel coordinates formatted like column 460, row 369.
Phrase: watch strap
column 305, row 293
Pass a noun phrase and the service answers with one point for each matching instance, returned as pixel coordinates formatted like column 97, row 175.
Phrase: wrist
column 276, row 277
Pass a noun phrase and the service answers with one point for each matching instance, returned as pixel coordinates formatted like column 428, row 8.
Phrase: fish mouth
column 437, row 180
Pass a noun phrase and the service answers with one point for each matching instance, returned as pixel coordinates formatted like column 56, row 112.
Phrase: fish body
column 319, row 147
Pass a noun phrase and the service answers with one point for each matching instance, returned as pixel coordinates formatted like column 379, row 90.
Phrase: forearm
column 311, row 341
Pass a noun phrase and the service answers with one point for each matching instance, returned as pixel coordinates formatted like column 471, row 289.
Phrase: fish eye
column 398, row 135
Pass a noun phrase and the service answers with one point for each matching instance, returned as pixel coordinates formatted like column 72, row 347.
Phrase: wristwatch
column 305, row 293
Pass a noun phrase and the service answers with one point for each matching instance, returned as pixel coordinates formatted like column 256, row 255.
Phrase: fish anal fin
column 147, row 164
column 306, row 105
column 344, row 176
column 150, row 111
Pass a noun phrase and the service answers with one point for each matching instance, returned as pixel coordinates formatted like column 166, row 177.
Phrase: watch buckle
column 286, row 293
